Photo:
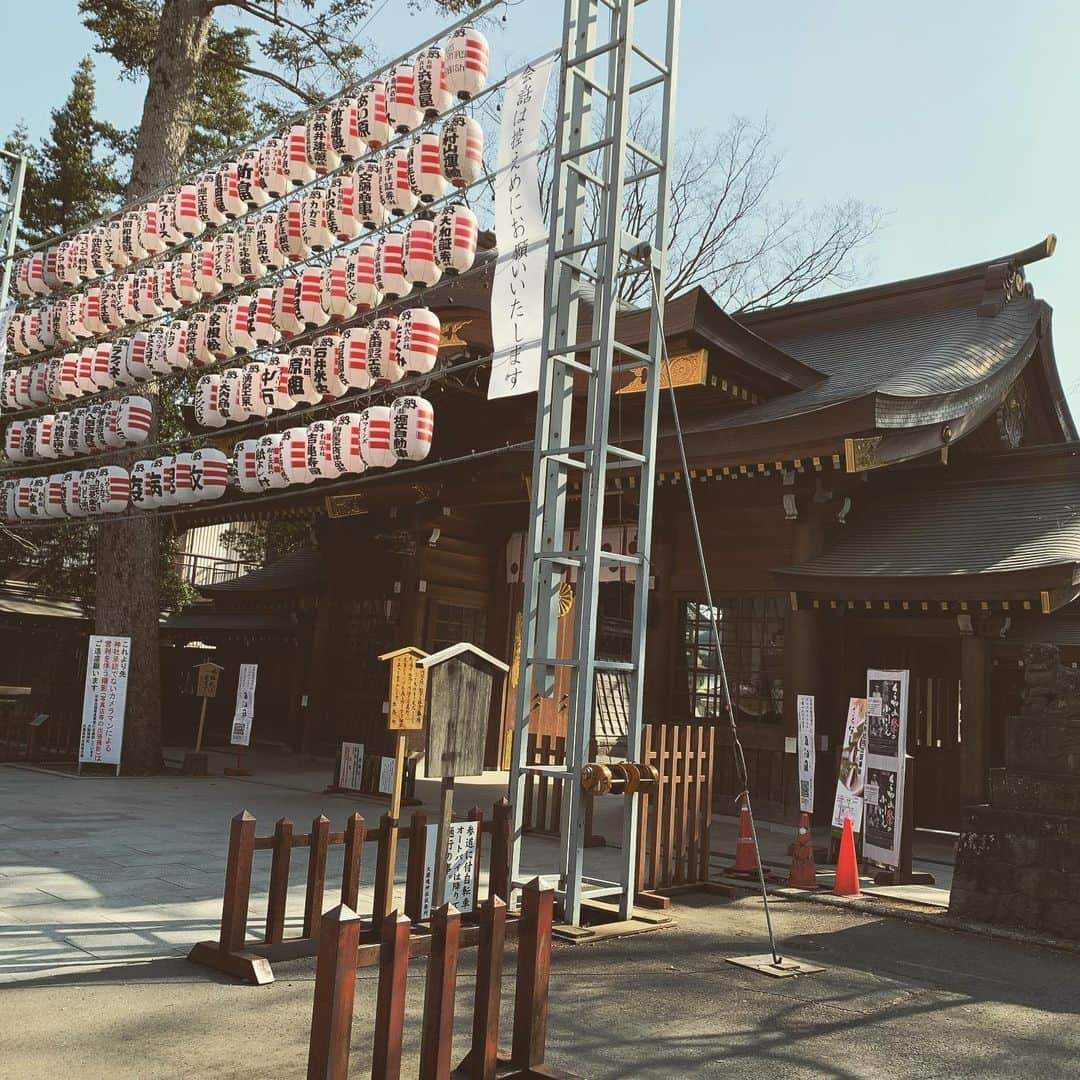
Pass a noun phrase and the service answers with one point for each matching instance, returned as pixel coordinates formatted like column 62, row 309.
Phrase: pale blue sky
column 957, row 117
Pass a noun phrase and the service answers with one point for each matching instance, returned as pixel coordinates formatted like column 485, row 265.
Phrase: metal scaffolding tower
column 608, row 75
column 10, row 204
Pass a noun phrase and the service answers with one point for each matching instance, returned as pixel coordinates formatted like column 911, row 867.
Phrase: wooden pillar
column 974, row 718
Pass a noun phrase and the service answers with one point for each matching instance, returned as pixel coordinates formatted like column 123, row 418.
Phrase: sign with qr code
column 244, row 716
column 806, row 752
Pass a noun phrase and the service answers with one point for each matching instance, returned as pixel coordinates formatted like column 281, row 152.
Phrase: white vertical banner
column 517, row 294
column 352, row 765
column 108, row 661
column 886, row 745
column 852, row 776
column 460, row 888
column 244, row 716
column 807, row 755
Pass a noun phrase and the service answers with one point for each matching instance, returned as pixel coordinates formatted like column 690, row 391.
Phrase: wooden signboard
column 207, row 674
column 408, row 682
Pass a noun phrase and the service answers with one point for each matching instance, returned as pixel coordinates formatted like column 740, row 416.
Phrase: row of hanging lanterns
column 347, row 129
column 110, row 425
column 350, row 443
column 353, row 282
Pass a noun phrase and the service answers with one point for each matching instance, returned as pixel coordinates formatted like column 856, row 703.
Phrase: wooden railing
column 335, row 993
column 542, row 804
column 235, row 955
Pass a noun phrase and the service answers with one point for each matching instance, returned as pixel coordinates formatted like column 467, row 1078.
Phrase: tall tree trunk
column 128, row 593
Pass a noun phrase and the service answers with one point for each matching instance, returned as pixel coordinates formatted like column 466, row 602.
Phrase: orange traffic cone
column 803, row 873
column 746, row 864
column 847, row 866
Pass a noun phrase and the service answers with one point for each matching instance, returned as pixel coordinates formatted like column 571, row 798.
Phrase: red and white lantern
column 338, row 295
column 185, row 491
column 227, row 258
column 68, row 262
column 249, row 183
column 184, row 286
column 421, row 269
column 264, row 331
column 412, row 426
column 39, row 383
column 251, row 390
column 209, row 473
column 320, row 148
column 317, row 232
column 352, row 358
column 461, row 150
column 219, row 333
column 208, row 209
column 54, row 496
column 77, row 440
column 301, row 385
column 137, row 358
column 244, row 458
column 418, row 335
column 227, row 198
column 205, row 268
column 269, row 462
column 208, row 402
column 432, row 94
column 22, row 388
column 390, row 266
column 383, row 362
column 298, row 167
column 273, row 167
column 395, row 191
column 147, row 292
column 141, row 495
column 113, row 437
column 271, row 253
column 13, row 441
column 43, row 437
column 373, row 124
column 369, row 205
column 248, row 251
column 287, row 316
column 176, row 345
column 401, row 108
column 425, row 167
column 61, row 434
column 198, row 344
column 342, row 212
column 456, row 233
column 186, row 212
column 364, row 269
column 153, row 236
column 375, row 443
column 230, row 400
column 133, row 419
column 88, row 492
column 131, row 235
column 290, row 230
column 311, row 298
column 72, row 506
column 345, row 442
column 345, row 135
column 275, row 384
column 294, row 456
column 8, row 497
column 114, row 489
column 241, row 316
column 325, row 366
column 467, row 60
column 155, row 351
column 92, row 319
column 320, row 445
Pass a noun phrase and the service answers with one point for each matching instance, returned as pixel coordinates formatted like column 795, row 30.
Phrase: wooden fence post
column 499, row 873
column 414, row 867
column 477, row 815
column 385, row 858
column 279, row 882
column 437, row 1036
column 335, row 991
column 390, row 1002
column 350, row 866
column 316, row 877
column 234, row 907
column 533, row 976
column 489, row 965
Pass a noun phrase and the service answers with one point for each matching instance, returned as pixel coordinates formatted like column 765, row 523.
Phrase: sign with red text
column 108, row 661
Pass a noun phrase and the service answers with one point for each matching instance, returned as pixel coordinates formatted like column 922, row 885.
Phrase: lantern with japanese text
column 67, row 376
column 227, row 198
column 383, row 362
column 165, row 466
column 364, row 270
column 401, row 108
column 94, row 427
column 139, row 493
column 270, row 250
column 342, row 207
column 269, row 468
column 219, row 341
column 432, row 94
column 325, row 366
column 92, row 315
column 131, row 233
column 198, row 348
column 153, row 238
column 249, row 185
column 99, row 251
column 294, row 456
column 298, row 168
column 317, row 232
column 337, row 294
column 204, row 199
column 112, row 434
column 182, row 466
column 15, row 338
column 345, row 129
column 352, row 358
column 146, row 292
column 167, row 295
column 372, row 123
column 60, row 434
column 184, row 286
column 54, row 496
column 425, row 167
column 375, row 444
column 23, row 498
column 39, row 383
column 320, row 148
column 77, row 442
column 67, row 262
column 312, row 310
column 13, row 441
column 241, row 318
column 207, row 402
column 287, row 316
column 412, row 425
column 118, row 257
column 9, row 387
column 176, row 354
column 462, row 150
column 8, row 497
column 418, row 251
column 114, row 489
column 22, row 388
column 209, row 473
column 248, row 258
column 251, row 390
column 170, row 227
column 320, row 447
column 52, row 277
column 467, row 59
column 204, row 268
column 275, row 384
column 369, row 204
column 302, row 376
column 137, row 358
column 345, row 444
column 395, row 191
column 111, row 299
column 89, row 492
column 290, row 230
column 230, row 401
column 244, row 457
column 71, row 494
column 418, row 335
column 227, row 258
column 155, row 351
column 263, row 330
column 273, row 167
column 43, row 437
column 118, row 369
column 455, row 239
column 390, row 266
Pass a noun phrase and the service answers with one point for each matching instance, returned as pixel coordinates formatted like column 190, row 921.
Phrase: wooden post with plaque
column 206, row 683
column 408, row 685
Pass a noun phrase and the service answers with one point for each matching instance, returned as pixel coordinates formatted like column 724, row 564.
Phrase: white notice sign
column 352, row 765
column 852, row 778
column 517, row 293
column 386, row 776
column 460, row 866
column 244, row 716
column 104, row 700
column 806, row 751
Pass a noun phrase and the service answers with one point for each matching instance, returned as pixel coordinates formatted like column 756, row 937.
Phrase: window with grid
column 454, row 623
column 752, row 637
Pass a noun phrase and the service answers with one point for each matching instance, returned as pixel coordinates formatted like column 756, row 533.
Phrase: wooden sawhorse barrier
column 233, row 954
column 335, row 993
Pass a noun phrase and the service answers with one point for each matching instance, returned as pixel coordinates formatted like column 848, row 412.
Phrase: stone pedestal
column 1018, row 859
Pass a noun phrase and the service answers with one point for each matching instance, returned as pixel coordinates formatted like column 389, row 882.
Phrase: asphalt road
column 895, row 1000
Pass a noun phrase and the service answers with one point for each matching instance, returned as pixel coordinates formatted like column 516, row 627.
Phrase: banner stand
column 903, row 874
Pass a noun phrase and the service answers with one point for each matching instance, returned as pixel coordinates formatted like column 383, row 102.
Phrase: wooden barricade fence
column 542, row 804
column 22, row 739
column 335, row 986
column 675, row 821
column 235, row 955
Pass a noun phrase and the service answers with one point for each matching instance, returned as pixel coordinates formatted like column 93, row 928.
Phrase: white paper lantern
column 112, row 436
column 67, row 262
column 418, row 334
column 275, row 384
column 78, row 443
column 52, row 378
column 395, row 191
column 311, row 298
column 88, row 492
column 352, row 358
column 153, row 236
column 51, row 268
column 345, row 135
column 269, row 462
column 20, row 277
column 137, row 359
column 369, row 205
column 38, row 284
column 46, row 326
column 207, row 205
column 186, row 211
column 337, row 293
column 208, row 402
column 317, row 233
column 455, row 239
column 251, row 390
column 298, row 167
column 412, row 423
column 425, row 167
column 170, row 228
column 86, row 369
column 302, row 376
column 147, row 292
column 134, row 419
column 320, row 148
column 287, row 315
column 205, row 268
column 71, row 494
column 68, row 381
column 184, row 286
column 114, row 303
column 383, row 362
column 176, row 345
column 401, row 108
column 249, row 181
column 421, row 269
column 13, row 441
column 70, row 326
column 22, row 388
column 162, row 476
column 142, row 498
column 230, row 400
column 219, row 333
column 345, row 444
column 324, row 367
column 294, row 456
column 432, row 94
column 8, row 497
column 54, row 496
column 375, row 443
column 320, row 450
column 43, row 442
column 185, row 491
column 15, row 338
column 97, row 426
column 271, row 253
column 342, row 212
column 462, row 150
column 467, row 59
column 62, row 434
column 244, row 454
column 39, row 383
column 241, row 317
column 118, row 368
column 248, row 251
column 156, row 357
column 373, row 124
column 92, row 314
column 8, row 389
column 131, row 235
column 25, row 504
column 227, row 258
column 264, row 330
column 118, row 257
column 364, row 276
column 198, row 345
column 273, row 167
column 290, row 231
column 114, row 486
column 390, row 266
column 227, row 198
column 209, row 473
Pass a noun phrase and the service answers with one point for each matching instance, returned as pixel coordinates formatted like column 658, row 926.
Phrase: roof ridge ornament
column 1005, row 280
